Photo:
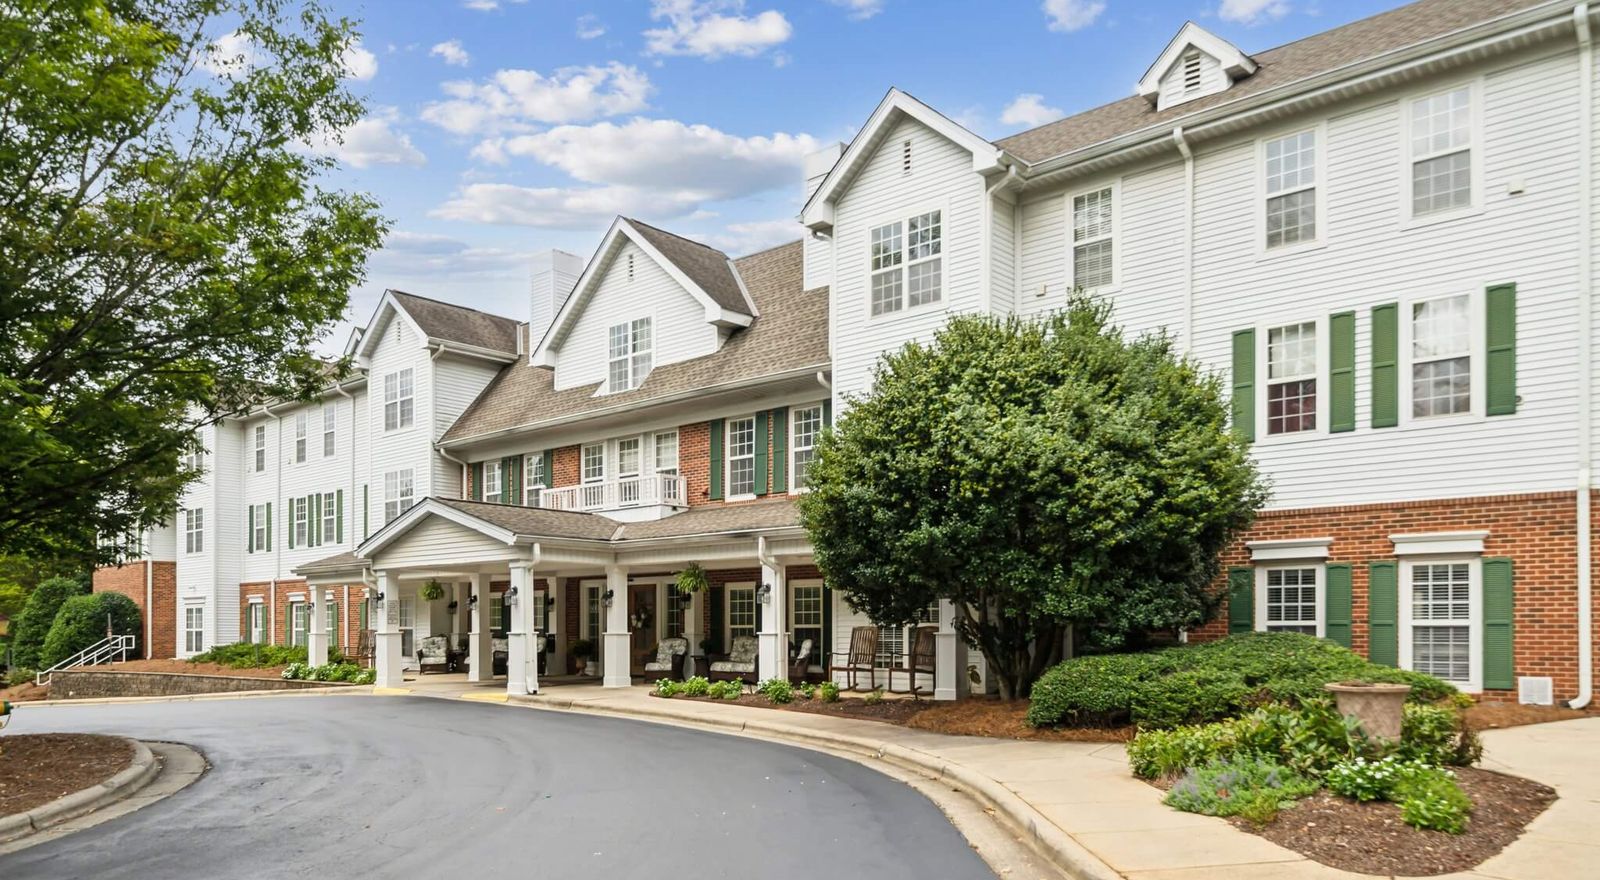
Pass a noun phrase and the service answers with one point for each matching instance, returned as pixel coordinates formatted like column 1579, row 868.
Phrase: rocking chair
column 921, row 660
column 862, row 657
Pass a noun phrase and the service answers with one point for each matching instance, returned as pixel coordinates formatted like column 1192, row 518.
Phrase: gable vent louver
column 1191, row 70
column 905, row 158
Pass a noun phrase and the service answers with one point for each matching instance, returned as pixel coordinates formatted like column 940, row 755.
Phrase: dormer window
column 630, row 354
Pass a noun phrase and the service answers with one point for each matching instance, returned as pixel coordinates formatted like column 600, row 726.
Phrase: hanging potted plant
column 692, row 579
column 432, row 591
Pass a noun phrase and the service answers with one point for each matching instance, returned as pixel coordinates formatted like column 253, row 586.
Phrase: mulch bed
column 1489, row 716
column 26, row 692
column 35, row 769
column 184, row 667
column 1371, row 839
column 976, row 716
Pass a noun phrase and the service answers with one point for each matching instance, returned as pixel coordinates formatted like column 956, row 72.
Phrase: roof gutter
column 1585, row 366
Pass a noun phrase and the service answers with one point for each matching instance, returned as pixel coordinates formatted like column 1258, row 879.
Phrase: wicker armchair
column 668, row 663
column 739, row 664
column 433, row 654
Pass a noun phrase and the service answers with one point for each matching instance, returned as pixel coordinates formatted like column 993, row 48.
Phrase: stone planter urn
column 1377, row 706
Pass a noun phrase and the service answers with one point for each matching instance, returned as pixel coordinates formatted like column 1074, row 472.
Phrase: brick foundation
column 160, row 620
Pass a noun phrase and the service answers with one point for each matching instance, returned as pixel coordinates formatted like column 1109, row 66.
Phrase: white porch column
column 317, row 636
column 695, row 663
column 458, row 598
column 390, row 672
column 557, row 625
column 618, row 641
column 480, row 647
column 950, row 663
column 773, row 660
column 522, row 671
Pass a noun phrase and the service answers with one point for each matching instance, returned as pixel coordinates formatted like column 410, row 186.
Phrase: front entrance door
column 642, row 624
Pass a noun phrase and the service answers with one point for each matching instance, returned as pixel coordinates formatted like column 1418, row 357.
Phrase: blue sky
column 499, row 128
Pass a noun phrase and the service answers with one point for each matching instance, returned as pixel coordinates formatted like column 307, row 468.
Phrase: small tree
column 28, row 631
column 81, row 623
column 1052, row 478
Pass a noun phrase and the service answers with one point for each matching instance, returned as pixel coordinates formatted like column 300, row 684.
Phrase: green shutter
column 1336, row 614
column 249, row 528
column 268, row 548
column 1383, row 613
column 477, row 481
column 1342, row 372
column 338, row 517
column 1386, row 365
column 316, row 519
column 1244, row 384
column 780, row 450
column 827, row 412
column 1500, row 381
column 1497, row 614
column 1241, row 600
column 761, row 452
column 717, row 430
column 550, row 468
column 714, row 595
column 511, row 480
column 289, row 522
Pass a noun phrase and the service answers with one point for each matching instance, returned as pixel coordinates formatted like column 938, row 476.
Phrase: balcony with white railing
column 624, row 497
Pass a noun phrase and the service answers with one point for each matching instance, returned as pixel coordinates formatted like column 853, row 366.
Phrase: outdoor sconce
column 764, row 593
column 380, row 595
column 511, row 595
column 608, row 596
column 549, row 600
column 472, row 600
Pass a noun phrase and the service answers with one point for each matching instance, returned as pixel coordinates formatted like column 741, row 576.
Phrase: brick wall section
column 349, row 634
column 161, row 621
column 1538, row 532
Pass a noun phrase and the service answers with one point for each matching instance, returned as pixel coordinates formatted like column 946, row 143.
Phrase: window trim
column 634, row 382
column 1408, row 218
column 258, row 534
column 728, row 458
column 302, row 436
column 1324, row 365
column 1070, row 224
column 330, row 518
column 821, row 625
column 1473, row 623
column 260, row 449
column 533, row 490
column 255, row 621
column 300, row 522
column 330, row 430
column 1320, row 594
column 1319, row 186
column 655, row 452
column 904, row 216
column 399, row 496
column 191, row 631
column 194, row 531
column 583, row 469
column 1477, row 352
column 727, row 611
column 493, row 466
column 400, row 397
column 795, row 485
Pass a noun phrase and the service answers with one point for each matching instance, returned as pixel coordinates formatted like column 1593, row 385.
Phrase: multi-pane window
column 331, row 621
column 742, row 456
column 666, row 452
column 330, row 421
column 258, row 527
column 399, row 493
column 399, row 406
column 1291, row 600
column 330, row 518
column 1441, row 152
column 533, row 479
column 592, row 611
column 299, row 622
column 194, row 629
column 1441, row 356
column 1092, row 244
column 806, row 426
column 906, row 263
column 300, row 521
column 194, row 530
column 193, row 461
column 677, row 606
column 741, row 612
column 1441, row 614
column 805, row 616
column 1292, row 378
column 1291, row 184
column 891, row 644
column 261, row 448
column 629, row 354
column 302, row 426
column 255, row 623
column 491, row 480
column 630, row 458
column 594, row 463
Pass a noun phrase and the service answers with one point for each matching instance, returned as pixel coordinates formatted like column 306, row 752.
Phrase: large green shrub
column 1192, row 695
column 249, row 655
column 82, row 621
column 1093, row 691
column 30, row 629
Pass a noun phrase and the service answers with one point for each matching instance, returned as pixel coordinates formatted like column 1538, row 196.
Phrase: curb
column 124, row 784
column 329, row 691
column 1042, row 835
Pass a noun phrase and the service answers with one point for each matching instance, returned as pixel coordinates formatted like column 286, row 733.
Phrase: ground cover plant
column 339, row 672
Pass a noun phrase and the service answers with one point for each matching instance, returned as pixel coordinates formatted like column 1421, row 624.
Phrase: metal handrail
column 100, row 652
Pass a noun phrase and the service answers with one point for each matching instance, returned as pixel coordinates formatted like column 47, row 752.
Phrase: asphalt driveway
column 411, row 787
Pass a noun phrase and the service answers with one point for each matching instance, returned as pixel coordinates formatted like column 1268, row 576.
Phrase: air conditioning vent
column 1535, row 690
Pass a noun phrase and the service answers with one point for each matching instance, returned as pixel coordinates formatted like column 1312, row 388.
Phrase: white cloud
column 562, row 207
column 738, row 239
column 511, row 99
column 861, row 9
column 420, row 254
column 590, row 27
column 1072, row 15
column 701, row 28
column 230, row 54
column 451, row 52
column 374, row 140
column 1030, row 110
column 1252, row 11
column 481, row 5
column 359, row 63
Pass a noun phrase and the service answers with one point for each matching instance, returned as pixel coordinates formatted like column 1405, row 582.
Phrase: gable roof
column 706, row 266
column 1234, row 63
column 1317, row 54
column 789, row 335
column 440, row 322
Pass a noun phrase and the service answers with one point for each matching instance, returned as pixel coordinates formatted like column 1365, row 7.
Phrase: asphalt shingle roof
column 538, row 521
column 705, row 265
column 453, row 323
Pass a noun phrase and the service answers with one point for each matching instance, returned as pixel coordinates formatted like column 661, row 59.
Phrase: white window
column 594, row 463
column 1441, row 152
column 677, row 605
column 491, row 481
column 258, row 527
column 194, row 461
column 893, row 640
column 399, row 488
column 302, row 425
column 330, row 422
column 906, row 263
column 299, row 622
column 805, row 426
column 1292, row 378
column 255, row 623
column 1093, row 248
column 261, row 448
column 194, row 530
column 629, row 459
column 194, row 629
column 1441, row 356
column 300, row 521
column 805, row 616
column 1440, row 603
column 630, row 354
column 741, row 612
column 741, row 457
column 593, row 611
column 1289, row 599
column 533, row 479
column 330, row 519
column 666, row 452
column 399, row 407
column 1291, row 189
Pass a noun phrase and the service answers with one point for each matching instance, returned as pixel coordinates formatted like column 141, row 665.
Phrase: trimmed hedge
column 81, row 623
column 1209, row 681
column 249, row 655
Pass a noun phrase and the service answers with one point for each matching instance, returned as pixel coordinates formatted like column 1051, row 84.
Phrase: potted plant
column 1378, row 706
column 583, row 656
column 432, row 591
column 692, row 579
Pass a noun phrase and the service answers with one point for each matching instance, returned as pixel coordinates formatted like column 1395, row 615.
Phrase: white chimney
column 818, row 260
column 555, row 273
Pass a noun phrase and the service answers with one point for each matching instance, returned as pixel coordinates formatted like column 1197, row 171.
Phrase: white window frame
column 660, row 464
column 903, row 268
column 302, row 430
column 493, row 481
column 399, row 493
column 728, row 459
column 1408, row 157
column 592, row 594
column 727, row 617
column 820, row 625
column 633, row 354
column 585, row 476
column 796, row 484
column 300, row 521
column 258, row 539
column 1477, row 352
column 534, row 479
column 255, row 622
column 1473, row 623
column 330, row 519
column 1115, row 236
column 194, row 530
column 330, row 428
column 261, row 449
column 399, row 393
column 1263, row 330
column 1319, row 186
column 299, row 620
column 194, row 629
column 1320, row 594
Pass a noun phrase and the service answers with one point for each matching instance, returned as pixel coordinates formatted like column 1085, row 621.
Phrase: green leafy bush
column 1433, row 801
column 1363, row 780
column 249, row 655
column 828, row 692
column 725, row 690
column 1093, row 691
column 30, row 629
column 1249, row 786
column 18, row 675
column 873, row 698
column 294, row 671
column 1438, row 735
column 81, row 623
column 1307, row 739
column 695, row 686
column 1154, row 754
column 333, row 672
column 666, row 687
column 806, row 690
column 777, row 690
column 365, row 676
column 1190, row 696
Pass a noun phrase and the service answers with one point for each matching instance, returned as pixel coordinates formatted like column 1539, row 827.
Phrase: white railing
column 108, row 650
column 664, row 489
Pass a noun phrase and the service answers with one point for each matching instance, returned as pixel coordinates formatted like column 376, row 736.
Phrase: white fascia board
column 420, row 511
column 370, row 339
column 1289, row 548
column 1234, row 62
column 1439, row 543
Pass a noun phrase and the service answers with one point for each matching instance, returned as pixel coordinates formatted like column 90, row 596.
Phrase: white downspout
column 277, row 548
column 1585, row 384
column 1188, row 240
